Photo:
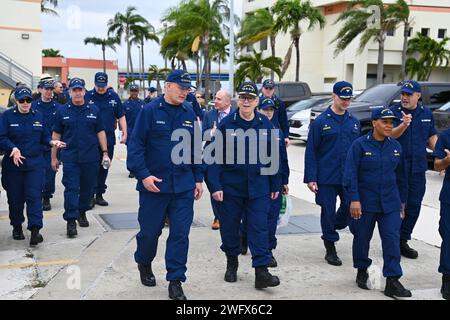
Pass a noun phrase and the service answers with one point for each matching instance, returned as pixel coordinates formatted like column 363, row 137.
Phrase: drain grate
column 127, row 221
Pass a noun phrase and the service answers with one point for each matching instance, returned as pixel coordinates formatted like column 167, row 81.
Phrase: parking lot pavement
column 99, row 263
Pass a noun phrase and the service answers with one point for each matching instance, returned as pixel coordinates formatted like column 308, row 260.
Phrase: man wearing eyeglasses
column 48, row 107
column 415, row 132
column 280, row 115
column 329, row 140
column 165, row 188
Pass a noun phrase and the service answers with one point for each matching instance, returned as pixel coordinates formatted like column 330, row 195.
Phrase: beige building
column 20, row 42
column 320, row 69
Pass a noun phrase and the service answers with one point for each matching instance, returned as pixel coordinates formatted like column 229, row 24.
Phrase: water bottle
column 106, row 164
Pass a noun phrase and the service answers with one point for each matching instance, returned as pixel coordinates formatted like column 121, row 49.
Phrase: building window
column 263, row 45
column 442, row 33
column 390, row 33
column 425, row 32
column 409, row 32
column 250, row 48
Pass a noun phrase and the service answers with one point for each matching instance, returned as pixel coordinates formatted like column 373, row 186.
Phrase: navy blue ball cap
column 266, row 104
column 181, row 78
column 47, row 84
column 248, row 88
column 343, row 89
column 410, row 87
column 152, row 89
column 134, row 87
column 76, row 83
column 383, row 113
column 268, row 83
column 22, row 93
column 101, row 79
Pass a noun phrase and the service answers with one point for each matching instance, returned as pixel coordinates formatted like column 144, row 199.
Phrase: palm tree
column 254, row 67
column 51, row 53
column 197, row 19
column 123, row 25
column 258, row 26
column 155, row 73
column 46, row 10
column 219, row 51
column 402, row 13
column 426, row 54
column 289, row 15
column 105, row 43
column 355, row 24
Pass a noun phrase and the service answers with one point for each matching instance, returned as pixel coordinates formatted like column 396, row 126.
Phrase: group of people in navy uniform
column 379, row 176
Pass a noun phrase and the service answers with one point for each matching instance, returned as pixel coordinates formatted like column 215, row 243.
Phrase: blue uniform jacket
column 49, row 111
column 111, row 109
column 25, row 132
column 243, row 180
column 375, row 175
column 280, row 114
column 284, row 163
column 212, row 116
column 195, row 105
column 149, row 152
column 442, row 144
column 79, row 126
column 414, row 140
column 132, row 109
column 327, row 147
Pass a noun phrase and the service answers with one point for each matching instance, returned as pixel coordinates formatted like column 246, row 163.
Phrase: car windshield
column 379, row 94
column 303, row 105
column 445, row 107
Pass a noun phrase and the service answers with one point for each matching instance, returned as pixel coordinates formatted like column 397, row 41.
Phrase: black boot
column 232, row 267
column 395, row 289
column 92, row 204
column 100, row 201
column 176, row 291
column 264, row 279
column 361, row 279
column 331, row 255
column 83, row 221
column 147, row 277
column 71, row 228
column 244, row 245
column 46, row 206
column 445, row 290
column 36, row 237
column 131, row 176
column 17, row 232
column 273, row 263
column 407, row 251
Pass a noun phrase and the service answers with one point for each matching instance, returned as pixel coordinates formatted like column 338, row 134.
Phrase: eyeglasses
column 269, row 88
column 248, row 98
column 27, row 100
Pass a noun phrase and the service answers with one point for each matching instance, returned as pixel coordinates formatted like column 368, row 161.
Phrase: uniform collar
column 70, row 105
column 330, row 114
column 256, row 120
column 369, row 138
column 163, row 104
column 16, row 111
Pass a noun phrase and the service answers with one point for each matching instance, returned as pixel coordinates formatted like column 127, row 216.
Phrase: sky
column 79, row 19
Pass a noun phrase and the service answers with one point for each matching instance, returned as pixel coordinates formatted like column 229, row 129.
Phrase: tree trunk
column 127, row 36
column 297, row 53
column 380, row 67
column 197, row 62
column 405, row 48
column 272, row 45
column 143, row 69
column 104, row 58
column 208, row 65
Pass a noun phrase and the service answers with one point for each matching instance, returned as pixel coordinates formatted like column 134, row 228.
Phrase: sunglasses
column 269, row 88
column 27, row 100
column 248, row 98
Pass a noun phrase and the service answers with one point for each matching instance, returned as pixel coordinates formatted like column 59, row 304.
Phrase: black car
column 306, row 104
column 442, row 117
column 434, row 96
column 291, row 92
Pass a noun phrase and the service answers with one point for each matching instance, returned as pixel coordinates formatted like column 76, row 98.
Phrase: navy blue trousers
column 330, row 220
column 444, row 231
column 389, row 228
column 79, row 181
column 416, row 191
column 100, row 187
column 50, row 174
column 24, row 187
column 255, row 212
column 153, row 208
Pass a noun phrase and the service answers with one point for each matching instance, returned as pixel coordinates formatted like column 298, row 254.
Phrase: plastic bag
column 285, row 212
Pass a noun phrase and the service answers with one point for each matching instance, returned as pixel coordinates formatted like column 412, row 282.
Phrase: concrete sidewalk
column 99, row 263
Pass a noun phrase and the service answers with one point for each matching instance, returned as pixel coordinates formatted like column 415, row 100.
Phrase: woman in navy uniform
column 442, row 162
column 22, row 136
column 242, row 188
column 375, row 182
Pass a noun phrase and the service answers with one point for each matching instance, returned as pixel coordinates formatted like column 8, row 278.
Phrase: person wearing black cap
column 280, row 115
column 329, row 139
column 153, row 93
column 111, row 109
column 243, row 187
column 58, row 93
column 415, row 133
column 166, row 188
column 376, row 183
column 48, row 107
column 23, row 135
column 80, row 125
column 132, row 107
